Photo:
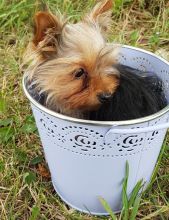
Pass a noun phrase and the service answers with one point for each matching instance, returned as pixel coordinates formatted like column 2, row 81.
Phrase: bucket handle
column 138, row 130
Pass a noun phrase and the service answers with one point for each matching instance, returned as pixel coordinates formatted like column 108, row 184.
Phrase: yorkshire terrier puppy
column 73, row 70
column 71, row 65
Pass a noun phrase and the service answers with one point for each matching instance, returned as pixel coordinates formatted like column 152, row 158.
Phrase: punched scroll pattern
column 86, row 141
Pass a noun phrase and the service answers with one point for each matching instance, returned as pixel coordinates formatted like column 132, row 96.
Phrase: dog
column 72, row 64
column 72, row 68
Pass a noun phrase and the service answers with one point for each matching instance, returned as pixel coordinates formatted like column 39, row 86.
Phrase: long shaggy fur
column 73, row 70
column 139, row 94
column 59, row 50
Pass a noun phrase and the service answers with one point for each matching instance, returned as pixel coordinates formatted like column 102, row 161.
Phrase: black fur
column 139, row 94
column 37, row 95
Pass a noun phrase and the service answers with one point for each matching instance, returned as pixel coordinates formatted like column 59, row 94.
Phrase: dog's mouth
column 90, row 108
column 83, row 103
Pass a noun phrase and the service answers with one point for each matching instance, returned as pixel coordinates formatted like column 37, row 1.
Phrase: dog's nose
column 104, row 97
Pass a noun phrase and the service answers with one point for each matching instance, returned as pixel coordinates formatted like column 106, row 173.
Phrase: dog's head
column 75, row 62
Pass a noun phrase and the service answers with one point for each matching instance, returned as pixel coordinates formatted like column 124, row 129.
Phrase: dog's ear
column 45, row 21
column 101, row 14
column 47, row 31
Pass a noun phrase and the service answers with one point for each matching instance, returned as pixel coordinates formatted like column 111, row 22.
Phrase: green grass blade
column 162, row 194
column 125, row 205
column 153, row 177
column 35, row 213
column 125, row 211
column 135, row 192
column 107, row 208
column 135, row 208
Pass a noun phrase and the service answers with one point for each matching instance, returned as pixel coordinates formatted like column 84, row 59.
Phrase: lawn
column 26, row 191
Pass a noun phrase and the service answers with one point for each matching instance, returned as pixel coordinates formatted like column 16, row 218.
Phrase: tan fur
column 59, row 49
column 101, row 14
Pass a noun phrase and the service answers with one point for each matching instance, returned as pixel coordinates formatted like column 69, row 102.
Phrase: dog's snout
column 104, row 97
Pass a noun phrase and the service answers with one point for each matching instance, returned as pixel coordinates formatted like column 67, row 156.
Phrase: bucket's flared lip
column 100, row 123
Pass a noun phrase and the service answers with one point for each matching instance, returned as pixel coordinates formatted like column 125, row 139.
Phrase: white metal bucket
column 87, row 158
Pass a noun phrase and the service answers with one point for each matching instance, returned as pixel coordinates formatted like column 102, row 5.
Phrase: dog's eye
column 79, row 73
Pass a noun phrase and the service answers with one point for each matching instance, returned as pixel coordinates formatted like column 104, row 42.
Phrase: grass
column 26, row 192
column 131, row 204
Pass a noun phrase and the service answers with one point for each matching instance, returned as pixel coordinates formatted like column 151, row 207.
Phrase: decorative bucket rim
column 100, row 123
